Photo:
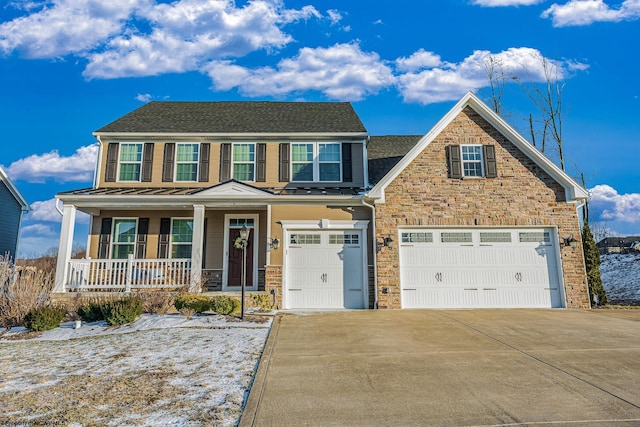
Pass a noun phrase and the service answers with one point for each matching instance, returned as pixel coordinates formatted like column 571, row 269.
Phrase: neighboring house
column 12, row 206
column 336, row 218
column 618, row 245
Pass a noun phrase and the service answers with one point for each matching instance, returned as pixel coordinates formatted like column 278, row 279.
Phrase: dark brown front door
column 235, row 259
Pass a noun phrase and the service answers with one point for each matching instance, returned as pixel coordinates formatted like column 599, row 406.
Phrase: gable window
column 316, row 162
column 187, row 162
column 181, row 237
column 123, row 242
column 130, row 162
column 244, row 162
column 471, row 161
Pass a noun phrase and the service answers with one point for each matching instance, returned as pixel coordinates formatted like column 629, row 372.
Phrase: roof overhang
column 573, row 191
column 14, row 191
column 227, row 136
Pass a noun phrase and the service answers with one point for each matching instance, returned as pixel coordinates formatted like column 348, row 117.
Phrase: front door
column 235, row 259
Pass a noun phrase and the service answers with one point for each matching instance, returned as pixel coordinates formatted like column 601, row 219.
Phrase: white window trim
column 233, row 163
column 316, row 160
column 176, row 162
column 171, row 235
column 463, row 162
column 141, row 162
column 112, row 242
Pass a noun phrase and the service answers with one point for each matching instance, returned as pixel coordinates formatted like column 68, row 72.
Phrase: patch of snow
column 621, row 278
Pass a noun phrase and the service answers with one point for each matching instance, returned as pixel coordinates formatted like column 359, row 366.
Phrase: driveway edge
column 250, row 411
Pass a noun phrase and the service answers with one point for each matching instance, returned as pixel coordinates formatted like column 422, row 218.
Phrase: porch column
column 196, row 247
column 65, row 246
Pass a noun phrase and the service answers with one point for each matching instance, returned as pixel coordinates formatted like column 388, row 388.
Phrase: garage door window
column 456, row 237
column 304, row 239
column 535, row 237
column 417, row 237
column 344, row 239
column 495, row 237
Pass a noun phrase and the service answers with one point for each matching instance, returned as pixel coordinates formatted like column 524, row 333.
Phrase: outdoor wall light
column 274, row 243
column 570, row 241
column 388, row 242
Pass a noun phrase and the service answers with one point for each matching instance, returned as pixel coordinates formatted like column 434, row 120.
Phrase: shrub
column 91, row 312
column 597, row 293
column 187, row 312
column 223, row 304
column 156, row 302
column 122, row 311
column 263, row 302
column 44, row 318
column 21, row 290
column 197, row 303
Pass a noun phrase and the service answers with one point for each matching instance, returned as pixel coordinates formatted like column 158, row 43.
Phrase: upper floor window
column 244, row 162
column 130, row 162
column 319, row 162
column 187, row 162
column 472, row 160
column 123, row 242
column 181, row 237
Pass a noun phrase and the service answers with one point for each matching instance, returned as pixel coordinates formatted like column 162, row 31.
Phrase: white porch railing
column 127, row 274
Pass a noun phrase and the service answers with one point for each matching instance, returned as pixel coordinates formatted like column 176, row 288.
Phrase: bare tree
column 547, row 97
column 495, row 70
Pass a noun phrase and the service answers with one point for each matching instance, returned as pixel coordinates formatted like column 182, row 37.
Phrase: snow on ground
column 161, row 370
column 621, row 278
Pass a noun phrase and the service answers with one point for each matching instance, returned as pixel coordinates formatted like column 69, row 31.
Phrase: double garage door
column 324, row 270
column 479, row 268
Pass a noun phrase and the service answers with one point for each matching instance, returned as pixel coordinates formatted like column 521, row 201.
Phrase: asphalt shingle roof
column 384, row 152
column 239, row 117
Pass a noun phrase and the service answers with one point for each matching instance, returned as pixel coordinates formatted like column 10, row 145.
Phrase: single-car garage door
column 324, row 270
column 479, row 268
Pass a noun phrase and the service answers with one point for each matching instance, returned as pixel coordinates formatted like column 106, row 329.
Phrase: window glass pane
column 456, row 237
column 304, row 239
column 243, row 152
column 302, row 152
column 302, row 172
column 495, row 237
column 329, row 171
column 329, row 152
column 181, row 251
column 130, row 152
column 472, row 152
column 535, row 237
column 187, row 172
column 417, row 237
column 243, row 172
column 130, row 172
column 121, row 251
column 124, row 231
column 239, row 222
column 187, row 153
column 182, row 230
column 472, row 169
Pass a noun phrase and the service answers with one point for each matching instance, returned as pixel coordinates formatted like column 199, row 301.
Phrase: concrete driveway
column 466, row 367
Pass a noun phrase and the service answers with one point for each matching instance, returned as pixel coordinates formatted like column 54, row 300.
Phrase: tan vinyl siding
column 272, row 163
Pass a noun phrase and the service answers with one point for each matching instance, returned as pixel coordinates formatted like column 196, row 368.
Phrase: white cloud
column 60, row 27
column 378, row 22
column 449, row 81
column 45, row 211
column 585, row 12
column 501, row 3
column 607, row 205
column 334, row 16
column 144, row 97
column 38, row 168
column 342, row 72
column 38, row 230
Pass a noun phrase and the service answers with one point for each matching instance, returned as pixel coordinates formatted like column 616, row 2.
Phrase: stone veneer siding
column 273, row 283
column 522, row 195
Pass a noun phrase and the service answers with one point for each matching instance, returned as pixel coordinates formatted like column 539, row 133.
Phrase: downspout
column 98, row 161
column 375, row 254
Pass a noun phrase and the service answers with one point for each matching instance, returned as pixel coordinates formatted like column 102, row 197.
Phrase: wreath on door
column 237, row 244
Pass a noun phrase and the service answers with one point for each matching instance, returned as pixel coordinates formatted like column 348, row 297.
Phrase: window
column 123, row 242
column 187, row 162
column 244, row 156
column 304, row 239
column 455, row 237
column 181, row 238
column 344, row 239
column 495, row 237
column 472, row 160
column 541, row 237
column 420, row 237
column 316, row 162
column 130, row 162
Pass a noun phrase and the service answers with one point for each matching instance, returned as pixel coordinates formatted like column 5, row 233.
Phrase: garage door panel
column 493, row 268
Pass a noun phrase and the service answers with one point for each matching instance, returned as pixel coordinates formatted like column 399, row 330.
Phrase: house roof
column 573, row 190
column 609, row 242
column 384, row 152
column 238, row 117
column 13, row 190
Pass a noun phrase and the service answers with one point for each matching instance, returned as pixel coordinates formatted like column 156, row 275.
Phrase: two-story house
column 468, row 215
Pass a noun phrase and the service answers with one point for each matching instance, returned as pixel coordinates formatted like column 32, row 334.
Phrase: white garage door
column 324, row 270
column 479, row 268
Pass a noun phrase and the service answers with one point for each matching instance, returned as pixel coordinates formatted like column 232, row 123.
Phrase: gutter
column 98, row 161
column 375, row 254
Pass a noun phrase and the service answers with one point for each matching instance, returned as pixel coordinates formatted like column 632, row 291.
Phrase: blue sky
column 69, row 67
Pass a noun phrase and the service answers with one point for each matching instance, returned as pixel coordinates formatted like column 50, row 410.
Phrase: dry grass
column 187, row 377
column 21, row 290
